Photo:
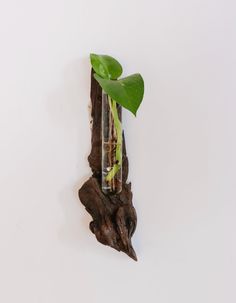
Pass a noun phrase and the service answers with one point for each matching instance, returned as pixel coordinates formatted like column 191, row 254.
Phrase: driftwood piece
column 114, row 217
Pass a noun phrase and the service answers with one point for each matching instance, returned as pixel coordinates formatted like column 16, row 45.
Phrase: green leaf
column 128, row 92
column 106, row 66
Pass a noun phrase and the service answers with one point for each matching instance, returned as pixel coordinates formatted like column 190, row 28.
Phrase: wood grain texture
column 114, row 217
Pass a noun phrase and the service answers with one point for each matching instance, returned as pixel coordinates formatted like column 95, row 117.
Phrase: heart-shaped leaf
column 106, row 66
column 128, row 92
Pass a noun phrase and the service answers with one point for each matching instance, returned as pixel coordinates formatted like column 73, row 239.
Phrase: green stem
column 116, row 167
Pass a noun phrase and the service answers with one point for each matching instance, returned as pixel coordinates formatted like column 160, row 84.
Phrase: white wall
column 181, row 146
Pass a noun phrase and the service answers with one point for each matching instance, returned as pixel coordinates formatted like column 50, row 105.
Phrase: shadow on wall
column 66, row 105
column 75, row 227
column 68, row 109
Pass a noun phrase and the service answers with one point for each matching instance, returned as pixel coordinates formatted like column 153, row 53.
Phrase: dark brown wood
column 114, row 217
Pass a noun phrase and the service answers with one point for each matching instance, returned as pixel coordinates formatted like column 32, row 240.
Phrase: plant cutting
column 125, row 92
column 106, row 195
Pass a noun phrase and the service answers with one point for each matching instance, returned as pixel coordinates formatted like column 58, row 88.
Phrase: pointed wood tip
column 132, row 254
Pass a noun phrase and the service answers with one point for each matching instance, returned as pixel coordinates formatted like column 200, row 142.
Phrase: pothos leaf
column 106, row 66
column 128, row 92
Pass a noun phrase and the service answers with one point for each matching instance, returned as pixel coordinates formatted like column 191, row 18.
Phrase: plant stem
column 116, row 167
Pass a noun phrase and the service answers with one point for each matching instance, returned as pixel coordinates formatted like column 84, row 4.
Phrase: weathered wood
column 114, row 217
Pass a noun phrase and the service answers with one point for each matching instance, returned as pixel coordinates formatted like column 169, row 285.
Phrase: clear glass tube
column 111, row 146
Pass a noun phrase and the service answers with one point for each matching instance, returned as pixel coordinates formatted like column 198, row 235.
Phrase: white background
column 181, row 146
